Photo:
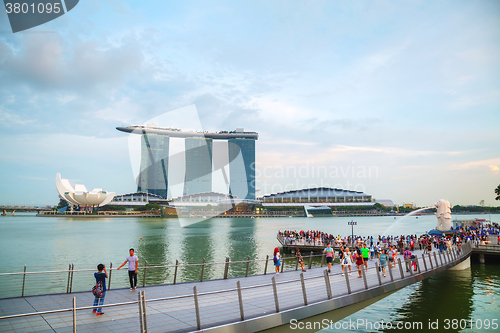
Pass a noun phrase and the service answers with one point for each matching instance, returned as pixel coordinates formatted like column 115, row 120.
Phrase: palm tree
column 497, row 191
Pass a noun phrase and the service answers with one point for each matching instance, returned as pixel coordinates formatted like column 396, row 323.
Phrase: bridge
column 241, row 304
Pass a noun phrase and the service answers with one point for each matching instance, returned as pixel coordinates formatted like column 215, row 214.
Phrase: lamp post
column 352, row 224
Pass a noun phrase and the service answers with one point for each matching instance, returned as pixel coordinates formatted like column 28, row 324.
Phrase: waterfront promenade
column 243, row 304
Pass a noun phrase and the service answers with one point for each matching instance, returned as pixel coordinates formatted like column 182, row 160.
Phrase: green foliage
column 62, row 203
column 475, row 209
column 111, row 208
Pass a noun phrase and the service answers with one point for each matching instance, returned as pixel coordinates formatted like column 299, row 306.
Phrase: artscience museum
column 80, row 196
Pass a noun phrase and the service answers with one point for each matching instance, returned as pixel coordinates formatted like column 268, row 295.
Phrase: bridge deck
column 217, row 308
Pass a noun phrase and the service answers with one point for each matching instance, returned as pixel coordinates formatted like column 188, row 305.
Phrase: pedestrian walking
column 300, row 260
column 330, row 256
column 358, row 257
column 276, row 259
column 366, row 253
column 347, row 260
column 100, row 281
column 383, row 257
column 133, row 263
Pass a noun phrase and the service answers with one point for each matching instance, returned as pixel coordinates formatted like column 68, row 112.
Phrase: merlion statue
column 443, row 215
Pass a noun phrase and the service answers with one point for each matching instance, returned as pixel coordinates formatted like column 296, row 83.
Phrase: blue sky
column 407, row 90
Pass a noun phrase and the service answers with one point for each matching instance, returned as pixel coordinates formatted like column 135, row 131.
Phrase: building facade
column 236, row 163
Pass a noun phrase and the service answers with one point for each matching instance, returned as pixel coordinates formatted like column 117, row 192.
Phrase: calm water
column 52, row 243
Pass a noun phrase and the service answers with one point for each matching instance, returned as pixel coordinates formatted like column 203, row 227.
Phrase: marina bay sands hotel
column 204, row 153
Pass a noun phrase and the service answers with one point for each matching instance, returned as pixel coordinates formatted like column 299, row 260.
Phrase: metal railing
column 275, row 296
column 66, row 281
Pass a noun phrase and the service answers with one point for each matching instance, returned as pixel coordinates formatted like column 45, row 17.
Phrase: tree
column 497, row 191
column 62, row 203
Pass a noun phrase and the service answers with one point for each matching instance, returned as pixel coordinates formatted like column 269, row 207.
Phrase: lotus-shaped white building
column 79, row 195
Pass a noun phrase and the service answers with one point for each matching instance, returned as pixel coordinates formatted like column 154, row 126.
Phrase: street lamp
column 352, row 224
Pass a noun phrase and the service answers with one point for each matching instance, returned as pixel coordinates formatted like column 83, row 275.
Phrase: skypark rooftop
column 173, row 132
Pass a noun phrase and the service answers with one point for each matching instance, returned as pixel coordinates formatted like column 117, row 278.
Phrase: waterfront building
column 318, row 196
column 80, row 197
column 199, row 158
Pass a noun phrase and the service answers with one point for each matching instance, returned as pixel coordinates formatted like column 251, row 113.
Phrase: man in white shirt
column 133, row 263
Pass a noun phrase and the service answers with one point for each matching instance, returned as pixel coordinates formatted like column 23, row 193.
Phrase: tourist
column 372, row 251
column 276, row 260
column 383, row 260
column 330, row 256
column 391, row 254
column 407, row 256
column 429, row 245
column 347, row 260
column 133, row 263
column 366, row 254
column 299, row 259
column 358, row 257
column 100, row 276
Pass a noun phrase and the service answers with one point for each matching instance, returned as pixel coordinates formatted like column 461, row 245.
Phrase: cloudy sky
column 399, row 99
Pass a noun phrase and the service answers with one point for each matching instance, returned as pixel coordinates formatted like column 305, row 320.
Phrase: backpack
column 275, row 259
column 98, row 290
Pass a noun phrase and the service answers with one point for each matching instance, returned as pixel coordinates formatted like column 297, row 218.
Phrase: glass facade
column 232, row 163
column 242, row 168
column 154, row 165
column 198, row 177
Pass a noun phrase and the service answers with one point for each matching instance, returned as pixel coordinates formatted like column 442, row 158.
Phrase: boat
column 5, row 213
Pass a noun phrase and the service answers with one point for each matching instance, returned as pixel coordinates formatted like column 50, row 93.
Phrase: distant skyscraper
column 242, row 170
column 198, row 177
column 200, row 160
column 154, row 164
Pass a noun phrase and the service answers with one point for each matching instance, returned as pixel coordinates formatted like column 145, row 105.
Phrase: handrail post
column 248, row 264
column 441, row 259
column 24, row 280
column 418, row 265
column 275, row 292
column 141, row 317
column 74, row 314
column 69, row 276
column 110, row 271
column 175, row 272
column 310, row 259
column 265, row 267
column 327, row 284
column 144, row 312
column 197, row 308
column 297, row 265
column 400, row 268
column 202, row 270
column 347, row 280
column 72, row 272
column 364, row 270
column 378, row 273
column 282, row 263
column 430, row 260
column 144, row 276
column 240, row 300
column 322, row 259
column 436, row 260
column 389, row 266
column 425, row 264
column 226, row 268
column 303, row 284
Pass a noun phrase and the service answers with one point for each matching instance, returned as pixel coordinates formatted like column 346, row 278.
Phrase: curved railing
column 202, row 310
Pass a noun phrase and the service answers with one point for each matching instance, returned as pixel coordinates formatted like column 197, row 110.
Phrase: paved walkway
column 179, row 315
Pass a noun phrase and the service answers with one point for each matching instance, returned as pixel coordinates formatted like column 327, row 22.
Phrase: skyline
column 397, row 100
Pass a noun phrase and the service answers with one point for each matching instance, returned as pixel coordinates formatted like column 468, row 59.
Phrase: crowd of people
column 385, row 249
